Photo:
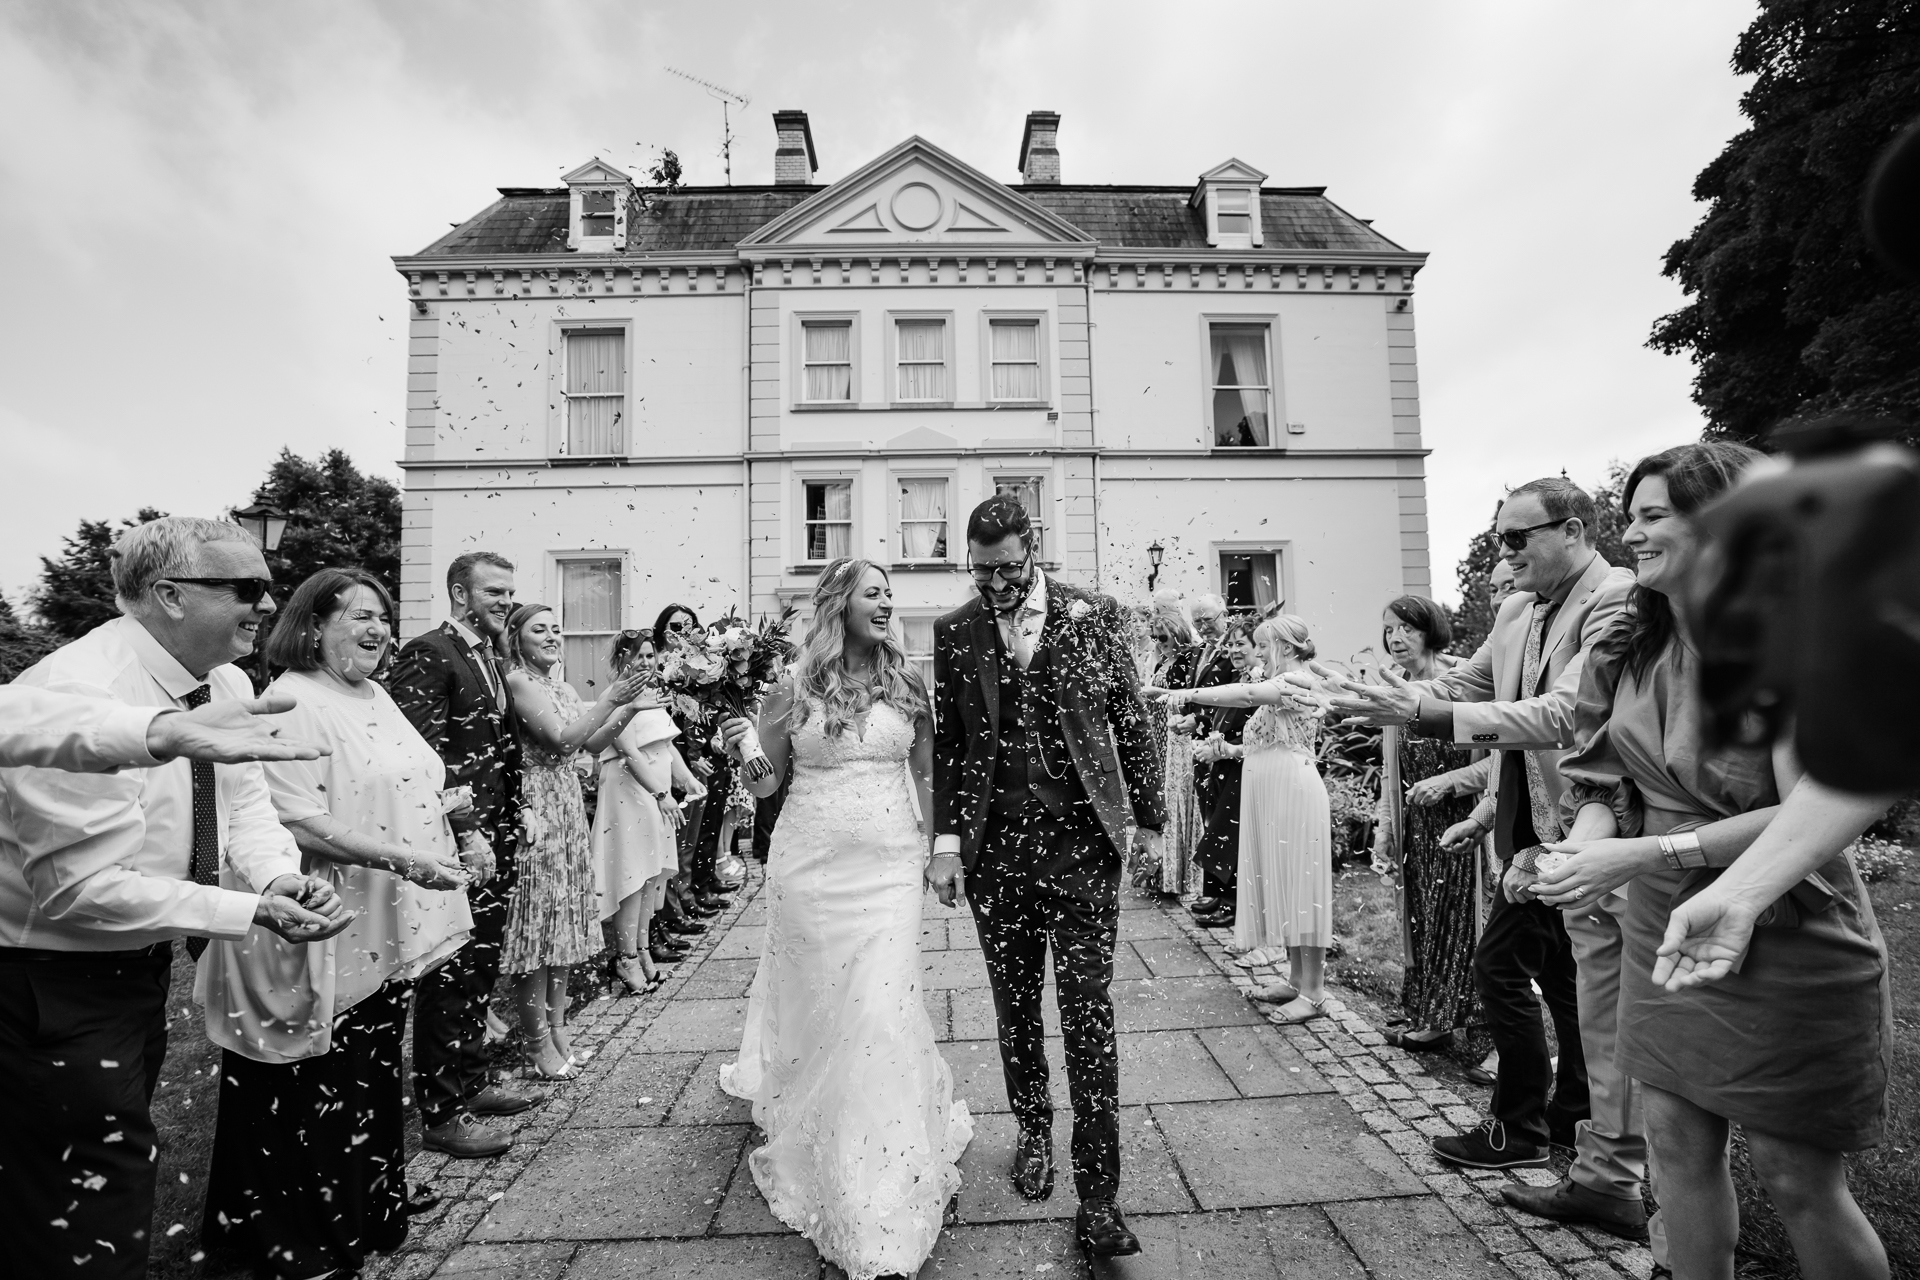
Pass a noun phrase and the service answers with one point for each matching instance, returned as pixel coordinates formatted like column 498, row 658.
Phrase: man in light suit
column 1517, row 697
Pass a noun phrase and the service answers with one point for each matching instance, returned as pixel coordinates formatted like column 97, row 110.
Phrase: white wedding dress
column 838, row 1057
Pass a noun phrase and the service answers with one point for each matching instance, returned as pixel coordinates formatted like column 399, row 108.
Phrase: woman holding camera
column 1793, row 1047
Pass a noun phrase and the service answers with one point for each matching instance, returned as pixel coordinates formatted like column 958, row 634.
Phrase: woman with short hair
column 1420, row 799
column 1795, row 1046
column 309, row 1150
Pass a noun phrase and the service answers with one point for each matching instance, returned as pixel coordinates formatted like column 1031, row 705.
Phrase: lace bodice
column 1274, row 726
column 882, row 748
column 568, row 705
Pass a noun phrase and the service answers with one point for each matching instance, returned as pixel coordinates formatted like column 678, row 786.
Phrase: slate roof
column 533, row 220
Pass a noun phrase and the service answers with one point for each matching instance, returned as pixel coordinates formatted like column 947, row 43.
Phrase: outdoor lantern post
column 1154, row 553
column 266, row 523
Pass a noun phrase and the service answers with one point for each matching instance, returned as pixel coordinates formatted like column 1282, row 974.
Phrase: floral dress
column 554, row 917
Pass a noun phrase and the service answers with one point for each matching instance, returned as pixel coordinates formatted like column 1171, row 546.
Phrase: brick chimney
column 1039, row 156
column 793, row 162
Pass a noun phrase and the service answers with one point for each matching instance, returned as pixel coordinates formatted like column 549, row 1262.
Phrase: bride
column 838, row 1057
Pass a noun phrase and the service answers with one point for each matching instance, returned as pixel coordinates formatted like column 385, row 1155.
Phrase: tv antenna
column 727, row 99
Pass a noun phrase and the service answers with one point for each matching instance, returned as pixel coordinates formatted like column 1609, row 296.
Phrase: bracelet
column 1682, row 850
column 946, row 855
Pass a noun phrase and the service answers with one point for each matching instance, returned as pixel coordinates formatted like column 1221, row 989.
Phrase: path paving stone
column 1273, row 1151
column 618, row 1184
column 1249, row 1151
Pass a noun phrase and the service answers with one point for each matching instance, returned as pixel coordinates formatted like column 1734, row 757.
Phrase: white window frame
column 1276, row 404
column 801, row 479
column 559, row 426
column 893, row 359
column 1282, row 553
column 1043, row 527
column 560, row 560
column 801, row 319
column 922, row 662
column 1043, row 350
column 577, row 237
column 1251, row 238
column 899, row 533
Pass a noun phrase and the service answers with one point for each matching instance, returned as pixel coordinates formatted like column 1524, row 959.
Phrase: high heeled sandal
column 649, row 981
column 1315, row 1007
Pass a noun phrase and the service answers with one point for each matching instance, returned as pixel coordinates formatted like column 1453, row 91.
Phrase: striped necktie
column 205, row 864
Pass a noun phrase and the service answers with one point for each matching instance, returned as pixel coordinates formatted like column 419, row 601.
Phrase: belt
column 31, row 955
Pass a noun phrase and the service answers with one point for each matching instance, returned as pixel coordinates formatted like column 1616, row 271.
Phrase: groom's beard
column 1026, row 590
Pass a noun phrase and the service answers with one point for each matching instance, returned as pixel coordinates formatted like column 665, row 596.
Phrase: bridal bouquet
column 723, row 671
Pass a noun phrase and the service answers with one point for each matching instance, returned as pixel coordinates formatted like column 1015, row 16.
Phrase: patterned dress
column 554, row 918
column 1437, row 990
column 1286, row 838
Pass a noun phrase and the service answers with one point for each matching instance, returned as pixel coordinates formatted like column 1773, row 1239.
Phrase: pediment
column 918, row 195
column 596, row 172
column 922, row 438
column 1234, row 170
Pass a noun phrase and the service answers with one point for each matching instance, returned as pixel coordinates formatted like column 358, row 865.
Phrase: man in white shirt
column 100, row 872
column 47, row 730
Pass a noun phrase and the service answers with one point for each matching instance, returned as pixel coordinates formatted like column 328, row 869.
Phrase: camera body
column 1807, row 609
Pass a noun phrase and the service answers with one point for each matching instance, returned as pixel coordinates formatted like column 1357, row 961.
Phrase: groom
column 1043, row 761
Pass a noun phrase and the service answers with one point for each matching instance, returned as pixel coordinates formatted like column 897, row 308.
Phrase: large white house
column 703, row 394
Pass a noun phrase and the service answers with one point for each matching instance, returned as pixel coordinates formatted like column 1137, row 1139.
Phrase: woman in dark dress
column 1437, row 914
column 1794, row 1047
column 1219, row 785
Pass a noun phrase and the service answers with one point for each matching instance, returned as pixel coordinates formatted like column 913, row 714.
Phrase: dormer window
column 599, row 207
column 1228, row 197
column 596, row 213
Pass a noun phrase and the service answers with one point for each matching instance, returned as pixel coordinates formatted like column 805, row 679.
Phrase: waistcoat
column 1032, row 762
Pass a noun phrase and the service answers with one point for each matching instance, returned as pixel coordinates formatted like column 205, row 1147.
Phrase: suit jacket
column 1492, row 711
column 1111, row 740
column 439, row 685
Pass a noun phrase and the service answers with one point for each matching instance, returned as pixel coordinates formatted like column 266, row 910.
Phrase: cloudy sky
column 198, row 200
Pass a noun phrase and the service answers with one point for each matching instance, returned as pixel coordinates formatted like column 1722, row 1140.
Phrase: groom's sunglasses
column 245, row 590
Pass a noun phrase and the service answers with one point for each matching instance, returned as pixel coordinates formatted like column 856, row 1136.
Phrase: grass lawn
column 1886, row 1180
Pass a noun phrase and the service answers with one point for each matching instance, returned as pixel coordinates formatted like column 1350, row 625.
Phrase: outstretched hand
column 1393, row 703
column 229, row 733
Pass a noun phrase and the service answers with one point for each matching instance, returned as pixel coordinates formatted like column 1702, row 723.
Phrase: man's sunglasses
column 245, row 590
column 1007, row 573
column 1516, row 539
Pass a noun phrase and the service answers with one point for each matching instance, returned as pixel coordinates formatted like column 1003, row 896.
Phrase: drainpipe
column 1093, row 416
column 746, row 433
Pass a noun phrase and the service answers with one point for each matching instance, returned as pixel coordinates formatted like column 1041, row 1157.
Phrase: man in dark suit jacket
column 1045, row 762
column 1219, row 857
column 451, row 685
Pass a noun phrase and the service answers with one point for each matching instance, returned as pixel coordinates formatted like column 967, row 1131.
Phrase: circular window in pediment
column 916, row 206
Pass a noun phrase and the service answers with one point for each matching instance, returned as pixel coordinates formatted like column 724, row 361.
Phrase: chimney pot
column 793, row 160
column 1039, row 152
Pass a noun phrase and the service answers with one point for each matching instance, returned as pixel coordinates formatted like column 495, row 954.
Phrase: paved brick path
column 1250, row 1151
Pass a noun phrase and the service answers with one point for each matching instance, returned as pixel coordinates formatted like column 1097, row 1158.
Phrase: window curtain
column 829, row 521
column 596, row 377
column 1251, row 581
column 923, row 519
column 1240, row 387
column 589, row 614
column 829, row 361
column 1026, row 492
column 917, row 635
column 1016, row 360
column 922, row 356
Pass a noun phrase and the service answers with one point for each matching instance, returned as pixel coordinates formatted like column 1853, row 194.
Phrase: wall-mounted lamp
column 1154, row 553
column 268, row 524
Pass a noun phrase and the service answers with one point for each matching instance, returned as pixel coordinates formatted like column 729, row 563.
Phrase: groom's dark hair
column 998, row 518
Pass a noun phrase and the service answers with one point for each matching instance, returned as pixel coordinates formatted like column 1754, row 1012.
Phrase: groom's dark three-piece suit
column 1041, row 771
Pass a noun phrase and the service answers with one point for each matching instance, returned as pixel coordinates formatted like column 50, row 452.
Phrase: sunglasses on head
column 245, row 590
column 1516, row 539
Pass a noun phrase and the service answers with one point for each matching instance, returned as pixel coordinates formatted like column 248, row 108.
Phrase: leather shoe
column 663, row 954
column 1218, row 920
column 1568, row 1201
column 689, row 927
column 499, row 1100
column 465, row 1137
column 1206, row 906
column 1033, row 1165
column 713, row 902
column 1102, row 1232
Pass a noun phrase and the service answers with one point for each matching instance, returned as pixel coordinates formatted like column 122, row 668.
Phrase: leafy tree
column 666, row 172
column 336, row 517
column 21, row 644
column 1790, row 313
column 75, row 594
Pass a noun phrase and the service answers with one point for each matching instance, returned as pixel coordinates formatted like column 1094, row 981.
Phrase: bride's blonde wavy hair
column 819, row 674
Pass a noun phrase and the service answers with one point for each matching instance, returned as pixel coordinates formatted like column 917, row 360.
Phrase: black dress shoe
column 666, row 955
column 713, row 900
column 1033, row 1165
column 688, row 927
column 1206, row 906
column 696, row 908
column 1218, row 920
column 1102, row 1232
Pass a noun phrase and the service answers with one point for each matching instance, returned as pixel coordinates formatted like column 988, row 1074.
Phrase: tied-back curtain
column 1016, row 360
column 923, row 519
column 829, row 361
column 589, row 615
column 917, row 637
column 922, row 357
column 1240, row 387
column 1251, row 580
column 829, row 521
column 596, row 386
